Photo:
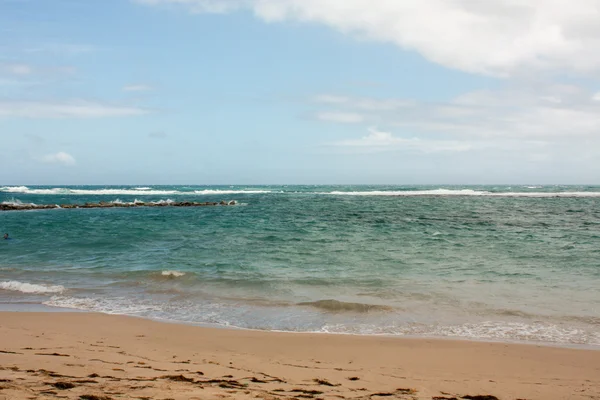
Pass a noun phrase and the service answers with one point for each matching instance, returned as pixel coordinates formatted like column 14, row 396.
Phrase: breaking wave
column 16, row 202
column 138, row 202
column 142, row 191
column 172, row 274
column 25, row 287
column 530, row 191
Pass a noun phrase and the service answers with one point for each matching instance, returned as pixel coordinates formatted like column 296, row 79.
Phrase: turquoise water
column 494, row 263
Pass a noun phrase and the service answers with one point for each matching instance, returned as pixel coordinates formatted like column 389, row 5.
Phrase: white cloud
column 61, row 158
column 203, row 6
column 157, row 135
column 24, row 76
column 341, row 117
column 61, row 48
column 368, row 104
column 536, row 113
column 137, row 88
column 73, row 109
column 494, row 37
column 380, row 141
column 16, row 69
column 331, row 99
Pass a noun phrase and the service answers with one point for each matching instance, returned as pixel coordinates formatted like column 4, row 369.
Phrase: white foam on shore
column 25, row 287
column 118, row 306
column 174, row 274
column 519, row 331
column 242, row 316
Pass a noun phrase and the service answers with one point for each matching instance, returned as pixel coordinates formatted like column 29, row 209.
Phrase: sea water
column 509, row 263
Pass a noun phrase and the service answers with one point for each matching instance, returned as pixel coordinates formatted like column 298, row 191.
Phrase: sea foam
column 16, row 202
column 25, row 287
column 173, row 274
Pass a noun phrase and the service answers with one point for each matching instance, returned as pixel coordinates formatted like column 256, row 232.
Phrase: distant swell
column 340, row 306
column 25, row 287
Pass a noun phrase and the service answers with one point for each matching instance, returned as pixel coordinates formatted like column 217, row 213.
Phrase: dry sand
column 95, row 356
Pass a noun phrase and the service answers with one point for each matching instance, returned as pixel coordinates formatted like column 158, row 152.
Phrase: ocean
column 499, row 263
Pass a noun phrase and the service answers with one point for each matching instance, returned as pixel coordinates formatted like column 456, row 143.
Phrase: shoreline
column 43, row 308
column 131, row 357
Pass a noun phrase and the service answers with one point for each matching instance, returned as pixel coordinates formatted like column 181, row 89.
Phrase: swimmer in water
column 6, row 236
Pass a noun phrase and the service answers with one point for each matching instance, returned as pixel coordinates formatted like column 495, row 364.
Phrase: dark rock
column 63, row 385
column 103, row 204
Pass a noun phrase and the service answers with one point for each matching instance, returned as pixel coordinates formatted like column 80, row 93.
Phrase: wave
column 138, row 202
column 461, row 192
column 119, row 306
column 70, row 191
column 172, row 274
column 148, row 191
column 123, row 192
column 516, row 331
column 341, row 306
column 240, row 316
column 17, row 203
column 25, row 287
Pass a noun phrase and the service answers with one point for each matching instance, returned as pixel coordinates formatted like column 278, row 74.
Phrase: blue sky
column 290, row 91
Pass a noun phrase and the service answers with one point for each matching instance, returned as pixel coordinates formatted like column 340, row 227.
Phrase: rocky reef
column 103, row 204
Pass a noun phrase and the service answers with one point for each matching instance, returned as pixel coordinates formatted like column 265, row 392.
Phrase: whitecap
column 16, row 203
column 167, row 202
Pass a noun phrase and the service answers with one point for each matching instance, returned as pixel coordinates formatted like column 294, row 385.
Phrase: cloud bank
column 494, row 37
column 536, row 113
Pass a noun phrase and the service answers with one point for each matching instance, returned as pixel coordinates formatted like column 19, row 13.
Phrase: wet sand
column 95, row 356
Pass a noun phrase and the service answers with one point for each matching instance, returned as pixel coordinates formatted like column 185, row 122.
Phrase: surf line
column 103, row 204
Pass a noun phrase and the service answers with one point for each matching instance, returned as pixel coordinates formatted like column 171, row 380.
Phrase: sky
column 299, row 92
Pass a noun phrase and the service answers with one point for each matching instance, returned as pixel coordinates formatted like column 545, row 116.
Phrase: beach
column 82, row 355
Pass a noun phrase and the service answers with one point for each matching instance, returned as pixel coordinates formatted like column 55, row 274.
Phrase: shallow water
column 492, row 263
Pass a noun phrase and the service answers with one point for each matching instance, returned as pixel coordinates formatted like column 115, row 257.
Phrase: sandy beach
column 96, row 356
